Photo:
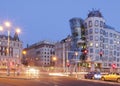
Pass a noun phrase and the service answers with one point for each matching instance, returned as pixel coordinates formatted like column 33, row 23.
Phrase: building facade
column 102, row 39
column 78, row 33
column 62, row 49
column 10, row 57
column 103, row 42
column 40, row 54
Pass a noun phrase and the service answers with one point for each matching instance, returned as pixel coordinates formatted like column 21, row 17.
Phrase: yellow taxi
column 111, row 77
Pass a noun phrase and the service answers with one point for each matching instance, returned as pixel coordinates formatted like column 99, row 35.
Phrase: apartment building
column 10, row 56
column 102, row 40
column 40, row 54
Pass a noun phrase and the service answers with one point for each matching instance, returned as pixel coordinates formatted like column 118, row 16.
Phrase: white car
column 97, row 75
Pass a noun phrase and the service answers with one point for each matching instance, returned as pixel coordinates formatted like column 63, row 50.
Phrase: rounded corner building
column 102, row 40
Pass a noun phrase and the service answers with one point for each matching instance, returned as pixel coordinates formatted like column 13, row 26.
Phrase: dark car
column 93, row 75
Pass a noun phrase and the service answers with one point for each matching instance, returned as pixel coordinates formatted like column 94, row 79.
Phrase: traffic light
column 113, row 66
column 101, row 53
column 85, row 51
column 68, row 64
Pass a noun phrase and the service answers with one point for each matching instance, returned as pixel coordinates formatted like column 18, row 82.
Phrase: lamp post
column 8, row 25
column 25, row 60
column 1, row 28
column 54, row 60
column 18, row 57
column 76, row 54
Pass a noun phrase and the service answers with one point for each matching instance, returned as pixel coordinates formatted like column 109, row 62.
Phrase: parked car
column 111, row 77
column 93, row 75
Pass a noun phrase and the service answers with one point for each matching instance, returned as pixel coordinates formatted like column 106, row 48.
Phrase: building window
column 111, row 41
column 97, row 58
column 105, row 40
column 101, row 38
column 106, row 34
column 91, row 50
column 110, row 34
column 110, row 53
column 118, row 59
column 115, row 47
column 75, row 34
column 86, row 32
column 110, row 59
column 101, row 24
column 105, row 64
column 118, row 54
column 117, row 37
column 96, row 30
column 114, row 59
column 118, row 65
column 118, row 42
column 91, row 37
column 101, row 31
column 3, row 48
column 96, row 22
column 91, row 44
column 111, row 47
column 106, row 46
column 90, row 31
column 85, row 25
column 97, row 51
column 118, row 48
column 106, row 52
column 101, row 44
column 90, row 23
column 114, row 35
column 96, row 45
column 96, row 38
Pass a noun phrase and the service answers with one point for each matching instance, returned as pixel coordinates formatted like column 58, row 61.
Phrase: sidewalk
column 25, row 77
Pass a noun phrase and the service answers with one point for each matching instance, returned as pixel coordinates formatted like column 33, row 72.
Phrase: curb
column 23, row 78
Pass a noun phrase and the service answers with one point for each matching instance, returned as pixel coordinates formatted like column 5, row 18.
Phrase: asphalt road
column 55, row 81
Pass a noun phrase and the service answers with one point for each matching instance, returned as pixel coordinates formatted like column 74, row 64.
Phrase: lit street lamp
column 54, row 59
column 76, row 54
column 1, row 28
column 8, row 25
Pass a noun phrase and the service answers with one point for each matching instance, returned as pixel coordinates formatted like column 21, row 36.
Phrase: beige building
column 10, row 56
column 61, row 51
column 39, row 54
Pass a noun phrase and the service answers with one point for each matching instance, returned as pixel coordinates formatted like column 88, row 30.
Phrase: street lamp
column 54, row 59
column 8, row 25
column 24, row 52
column 76, row 54
column 1, row 28
column 18, row 30
column 24, row 59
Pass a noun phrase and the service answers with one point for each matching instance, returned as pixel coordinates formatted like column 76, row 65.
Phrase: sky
column 49, row 19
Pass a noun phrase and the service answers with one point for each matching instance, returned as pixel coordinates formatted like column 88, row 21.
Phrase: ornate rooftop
column 95, row 13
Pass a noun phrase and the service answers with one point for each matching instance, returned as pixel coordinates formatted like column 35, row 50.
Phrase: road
column 55, row 81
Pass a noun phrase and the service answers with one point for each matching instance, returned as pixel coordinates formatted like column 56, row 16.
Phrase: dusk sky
column 49, row 19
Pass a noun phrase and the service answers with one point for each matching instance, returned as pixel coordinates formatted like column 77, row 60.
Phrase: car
column 111, row 77
column 93, row 75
